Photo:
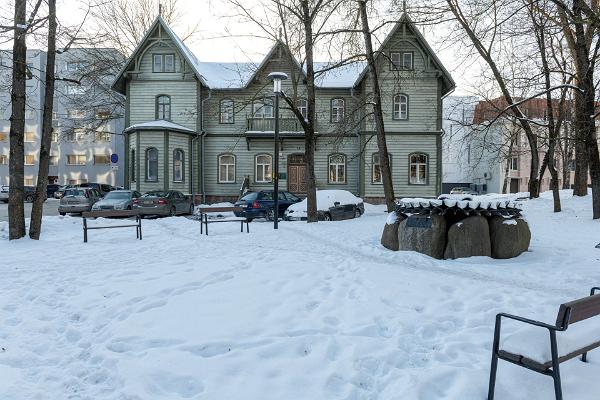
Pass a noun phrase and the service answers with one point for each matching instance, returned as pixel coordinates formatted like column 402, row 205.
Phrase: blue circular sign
column 114, row 158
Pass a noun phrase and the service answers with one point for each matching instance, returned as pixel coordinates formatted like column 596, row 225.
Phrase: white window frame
column 261, row 106
column 29, row 137
column 303, row 107
column 226, row 111
column 149, row 162
column 30, row 156
column 163, row 115
column 377, row 165
column 263, row 169
column 418, row 166
column 333, row 169
column 101, row 163
column 178, row 165
column 229, row 167
column 514, row 163
column 338, row 109
column 78, row 159
column 401, row 107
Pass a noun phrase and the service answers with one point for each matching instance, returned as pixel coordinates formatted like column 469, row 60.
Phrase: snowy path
column 311, row 312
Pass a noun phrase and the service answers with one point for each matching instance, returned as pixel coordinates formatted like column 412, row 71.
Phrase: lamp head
column 277, row 77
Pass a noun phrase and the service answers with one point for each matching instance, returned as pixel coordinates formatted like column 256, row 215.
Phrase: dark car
column 164, row 203
column 332, row 205
column 30, row 194
column 51, row 189
column 58, row 194
column 260, row 204
column 100, row 187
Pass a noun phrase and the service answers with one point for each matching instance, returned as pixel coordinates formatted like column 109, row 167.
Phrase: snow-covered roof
column 158, row 125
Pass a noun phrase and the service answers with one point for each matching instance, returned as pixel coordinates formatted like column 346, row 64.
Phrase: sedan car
column 117, row 200
column 164, row 203
column 260, row 204
column 78, row 200
column 28, row 193
column 462, row 190
column 331, row 205
column 51, row 188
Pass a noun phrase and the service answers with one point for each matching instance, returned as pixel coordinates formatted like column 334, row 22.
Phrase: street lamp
column 276, row 77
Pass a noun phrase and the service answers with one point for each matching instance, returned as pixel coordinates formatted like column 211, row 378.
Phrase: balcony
column 286, row 125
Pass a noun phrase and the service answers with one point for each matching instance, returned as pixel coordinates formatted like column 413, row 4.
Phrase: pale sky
column 224, row 38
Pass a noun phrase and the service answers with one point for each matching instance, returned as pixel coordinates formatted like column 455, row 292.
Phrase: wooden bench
column 543, row 354
column 204, row 221
column 109, row 214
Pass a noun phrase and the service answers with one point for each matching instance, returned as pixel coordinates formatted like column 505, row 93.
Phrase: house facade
column 87, row 123
column 207, row 128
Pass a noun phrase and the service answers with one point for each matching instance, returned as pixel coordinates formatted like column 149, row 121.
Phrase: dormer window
column 163, row 63
column 401, row 60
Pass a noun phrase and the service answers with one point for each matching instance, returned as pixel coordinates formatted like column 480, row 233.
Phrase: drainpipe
column 357, row 134
column 202, row 137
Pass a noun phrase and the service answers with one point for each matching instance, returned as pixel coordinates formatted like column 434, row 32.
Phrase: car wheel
column 249, row 219
column 172, row 212
column 29, row 198
column 270, row 215
column 129, row 208
column 357, row 213
column 62, row 213
column 327, row 217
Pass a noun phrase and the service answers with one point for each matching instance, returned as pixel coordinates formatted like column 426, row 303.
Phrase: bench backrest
column 219, row 209
column 578, row 310
column 110, row 213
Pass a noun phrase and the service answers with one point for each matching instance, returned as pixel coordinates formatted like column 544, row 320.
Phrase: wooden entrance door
column 296, row 173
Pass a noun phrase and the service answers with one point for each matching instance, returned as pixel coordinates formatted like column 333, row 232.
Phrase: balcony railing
column 268, row 125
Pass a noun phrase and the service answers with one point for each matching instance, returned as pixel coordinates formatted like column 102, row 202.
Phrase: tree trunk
column 507, row 165
column 384, row 161
column 567, row 155
column 37, row 208
column 16, row 212
column 310, row 144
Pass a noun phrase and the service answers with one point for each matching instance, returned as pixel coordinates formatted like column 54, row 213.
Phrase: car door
column 283, row 203
column 266, row 200
column 337, row 211
column 180, row 202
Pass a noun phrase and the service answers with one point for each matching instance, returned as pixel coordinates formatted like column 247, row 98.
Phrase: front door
column 296, row 174
column 514, row 185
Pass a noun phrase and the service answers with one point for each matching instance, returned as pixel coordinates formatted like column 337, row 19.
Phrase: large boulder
column 424, row 234
column 509, row 237
column 389, row 237
column 469, row 237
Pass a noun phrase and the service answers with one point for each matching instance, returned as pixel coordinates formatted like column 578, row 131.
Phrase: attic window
column 163, row 63
column 401, row 60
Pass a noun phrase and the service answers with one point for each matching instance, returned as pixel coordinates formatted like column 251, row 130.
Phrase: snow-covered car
column 463, row 190
column 331, row 205
column 467, row 197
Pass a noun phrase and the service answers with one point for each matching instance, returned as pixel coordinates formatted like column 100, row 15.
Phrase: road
column 50, row 208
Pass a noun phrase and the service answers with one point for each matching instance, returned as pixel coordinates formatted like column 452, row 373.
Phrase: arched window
column 163, row 107
column 337, row 110
column 263, row 165
column 418, row 169
column 376, row 176
column 132, row 164
column 152, row 164
column 263, row 108
column 226, row 168
column 303, row 107
column 400, row 106
column 226, row 110
column 337, row 168
column 178, row 165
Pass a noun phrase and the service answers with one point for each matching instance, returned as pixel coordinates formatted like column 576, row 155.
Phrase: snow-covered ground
column 313, row 311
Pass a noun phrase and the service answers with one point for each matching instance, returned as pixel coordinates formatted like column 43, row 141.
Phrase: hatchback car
column 117, row 200
column 78, row 200
column 260, row 204
column 164, row 203
column 61, row 190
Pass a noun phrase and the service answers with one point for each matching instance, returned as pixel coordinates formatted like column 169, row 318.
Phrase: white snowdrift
column 325, row 200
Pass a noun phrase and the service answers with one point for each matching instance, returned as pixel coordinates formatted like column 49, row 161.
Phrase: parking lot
column 50, row 208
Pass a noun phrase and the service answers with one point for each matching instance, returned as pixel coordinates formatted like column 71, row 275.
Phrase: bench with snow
column 112, row 214
column 204, row 221
column 533, row 348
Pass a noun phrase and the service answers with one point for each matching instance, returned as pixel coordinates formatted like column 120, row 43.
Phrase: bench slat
column 580, row 310
column 206, row 210
column 110, row 213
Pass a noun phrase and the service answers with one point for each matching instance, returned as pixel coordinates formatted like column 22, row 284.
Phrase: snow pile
column 461, row 201
column 325, row 200
column 220, row 214
column 392, row 218
column 310, row 311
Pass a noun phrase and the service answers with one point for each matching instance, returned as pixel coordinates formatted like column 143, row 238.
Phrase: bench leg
column 206, row 223
column 494, row 366
column 242, row 226
column 555, row 368
column 247, row 227
column 140, row 226
column 201, row 223
column 84, row 230
column 584, row 357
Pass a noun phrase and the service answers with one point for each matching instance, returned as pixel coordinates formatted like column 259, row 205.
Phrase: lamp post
column 276, row 77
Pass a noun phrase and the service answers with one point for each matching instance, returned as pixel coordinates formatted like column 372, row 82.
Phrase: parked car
column 102, row 188
column 117, row 200
column 78, row 200
column 260, row 204
column 463, row 190
column 4, row 193
column 331, row 205
column 51, row 189
column 61, row 190
column 28, row 193
column 164, row 203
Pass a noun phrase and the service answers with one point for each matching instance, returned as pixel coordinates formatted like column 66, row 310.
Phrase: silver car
column 117, row 200
column 78, row 200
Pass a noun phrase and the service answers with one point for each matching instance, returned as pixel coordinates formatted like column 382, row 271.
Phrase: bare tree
column 35, row 225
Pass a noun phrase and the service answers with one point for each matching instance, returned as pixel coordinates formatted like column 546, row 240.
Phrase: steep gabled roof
column 405, row 19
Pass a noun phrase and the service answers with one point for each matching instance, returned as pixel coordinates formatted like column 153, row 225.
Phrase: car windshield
column 75, row 192
column 157, row 193
column 118, row 196
column 249, row 196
